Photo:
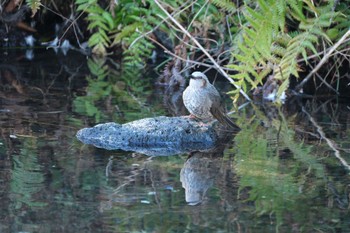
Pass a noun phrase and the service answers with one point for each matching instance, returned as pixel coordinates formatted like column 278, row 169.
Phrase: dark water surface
column 285, row 171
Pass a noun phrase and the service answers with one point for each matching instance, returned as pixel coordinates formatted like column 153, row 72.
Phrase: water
column 276, row 175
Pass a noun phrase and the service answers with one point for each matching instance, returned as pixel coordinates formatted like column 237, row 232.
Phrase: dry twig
column 323, row 60
column 216, row 65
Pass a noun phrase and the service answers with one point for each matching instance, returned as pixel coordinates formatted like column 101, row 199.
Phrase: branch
column 186, row 6
column 216, row 65
column 324, row 82
column 323, row 60
column 180, row 58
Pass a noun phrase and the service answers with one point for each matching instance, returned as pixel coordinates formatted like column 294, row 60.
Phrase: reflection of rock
column 152, row 136
column 197, row 176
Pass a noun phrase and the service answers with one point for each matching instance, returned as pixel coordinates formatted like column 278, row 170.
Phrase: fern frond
column 34, row 5
column 227, row 5
column 267, row 45
column 101, row 23
column 254, row 51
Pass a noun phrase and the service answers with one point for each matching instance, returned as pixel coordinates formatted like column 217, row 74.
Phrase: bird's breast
column 197, row 102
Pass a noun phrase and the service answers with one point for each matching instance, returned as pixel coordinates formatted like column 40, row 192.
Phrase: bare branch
column 323, row 60
column 216, row 65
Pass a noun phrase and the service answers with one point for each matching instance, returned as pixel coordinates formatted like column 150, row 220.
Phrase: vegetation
column 286, row 169
column 250, row 40
column 269, row 45
column 253, row 38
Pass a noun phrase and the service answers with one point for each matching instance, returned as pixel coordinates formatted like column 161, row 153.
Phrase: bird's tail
column 223, row 118
column 228, row 122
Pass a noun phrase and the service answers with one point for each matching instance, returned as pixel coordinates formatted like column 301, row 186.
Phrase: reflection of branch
column 330, row 143
column 156, row 194
column 109, row 166
column 116, row 196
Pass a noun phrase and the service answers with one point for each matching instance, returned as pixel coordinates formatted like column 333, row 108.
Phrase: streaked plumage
column 203, row 101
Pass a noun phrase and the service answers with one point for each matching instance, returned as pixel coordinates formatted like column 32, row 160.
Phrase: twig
column 216, row 65
column 330, row 143
column 323, row 52
column 198, row 12
column 182, row 59
column 186, row 6
column 323, row 60
column 228, row 28
column 68, row 20
column 239, row 108
column 324, row 82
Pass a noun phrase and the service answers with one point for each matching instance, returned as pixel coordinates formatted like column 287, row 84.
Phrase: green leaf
column 108, row 17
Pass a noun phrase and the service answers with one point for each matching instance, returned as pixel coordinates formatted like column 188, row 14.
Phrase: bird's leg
column 191, row 116
column 202, row 124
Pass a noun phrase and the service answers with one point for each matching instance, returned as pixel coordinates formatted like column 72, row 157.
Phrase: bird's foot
column 204, row 125
column 191, row 116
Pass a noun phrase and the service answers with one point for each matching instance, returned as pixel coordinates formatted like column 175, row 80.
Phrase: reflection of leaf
column 126, row 89
column 271, row 190
column 276, row 185
column 87, row 107
column 27, row 176
column 301, row 152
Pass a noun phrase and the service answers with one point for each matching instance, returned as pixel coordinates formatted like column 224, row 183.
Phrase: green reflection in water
column 283, row 176
column 27, row 179
column 113, row 92
column 52, row 191
column 53, row 183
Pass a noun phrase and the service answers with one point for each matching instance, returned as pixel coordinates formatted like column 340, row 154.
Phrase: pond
column 286, row 170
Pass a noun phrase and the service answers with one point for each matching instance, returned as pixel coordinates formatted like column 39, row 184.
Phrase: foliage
column 134, row 19
column 34, row 5
column 263, row 37
column 130, row 24
column 122, row 26
column 270, row 45
column 227, row 5
column 100, row 23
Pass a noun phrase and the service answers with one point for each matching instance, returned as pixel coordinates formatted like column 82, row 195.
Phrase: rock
column 157, row 136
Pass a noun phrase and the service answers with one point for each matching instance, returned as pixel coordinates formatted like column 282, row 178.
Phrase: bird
column 203, row 101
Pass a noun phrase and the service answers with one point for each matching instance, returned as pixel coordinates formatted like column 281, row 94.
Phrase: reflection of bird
column 203, row 101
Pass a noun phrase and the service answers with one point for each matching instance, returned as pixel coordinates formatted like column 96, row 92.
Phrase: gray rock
column 151, row 136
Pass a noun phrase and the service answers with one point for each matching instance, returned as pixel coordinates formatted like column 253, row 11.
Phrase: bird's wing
column 216, row 108
column 214, row 97
column 218, row 111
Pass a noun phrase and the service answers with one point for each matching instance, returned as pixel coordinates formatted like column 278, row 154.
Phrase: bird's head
column 198, row 80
